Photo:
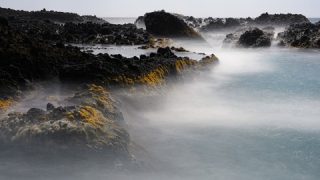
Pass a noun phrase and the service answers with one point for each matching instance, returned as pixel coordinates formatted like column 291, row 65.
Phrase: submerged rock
column 161, row 23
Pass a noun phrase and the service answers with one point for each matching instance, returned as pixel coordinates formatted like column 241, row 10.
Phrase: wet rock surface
column 305, row 35
column 161, row 23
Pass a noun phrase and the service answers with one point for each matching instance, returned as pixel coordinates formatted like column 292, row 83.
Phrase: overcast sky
column 199, row 8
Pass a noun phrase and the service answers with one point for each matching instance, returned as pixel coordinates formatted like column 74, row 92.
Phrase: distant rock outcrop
column 280, row 19
column 72, row 28
column 54, row 16
column 161, row 23
column 305, row 35
column 222, row 24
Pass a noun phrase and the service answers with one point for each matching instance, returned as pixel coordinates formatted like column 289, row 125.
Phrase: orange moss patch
column 5, row 104
column 92, row 116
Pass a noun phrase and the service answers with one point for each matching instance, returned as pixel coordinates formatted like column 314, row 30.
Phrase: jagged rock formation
column 91, row 124
column 305, row 35
column 161, row 23
column 250, row 37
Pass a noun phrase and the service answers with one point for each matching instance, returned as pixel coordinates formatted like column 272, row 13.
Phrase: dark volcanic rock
column 250, row 37
column 255, row 38
column 54, row 16
column 280, row 19
column 219, row 24
column 161, row 23
column 26, row 59
column 126, row 34
column 72, row 28
column 305, row 35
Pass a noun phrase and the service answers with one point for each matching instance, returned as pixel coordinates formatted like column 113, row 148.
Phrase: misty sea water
column 255, row 115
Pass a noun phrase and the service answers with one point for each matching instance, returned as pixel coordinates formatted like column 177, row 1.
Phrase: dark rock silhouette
column 161, row 23
column 250, row 37
column 54, row 16
column 255, row 38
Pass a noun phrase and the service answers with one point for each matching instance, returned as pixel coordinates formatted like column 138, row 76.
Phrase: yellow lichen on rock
column 70, row 116
column 155, row 77
column 183, row 64
column 6, row 104
column 102, row 96
column 92, row 116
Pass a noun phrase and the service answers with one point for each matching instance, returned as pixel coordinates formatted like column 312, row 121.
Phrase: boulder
column 161, row 23
column 255, row 38
column 250, row 37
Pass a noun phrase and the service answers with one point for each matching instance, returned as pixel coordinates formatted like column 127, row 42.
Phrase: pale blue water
column 254, row 116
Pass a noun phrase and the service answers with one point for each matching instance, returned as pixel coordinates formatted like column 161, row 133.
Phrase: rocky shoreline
column 35, row 50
